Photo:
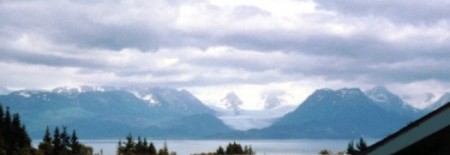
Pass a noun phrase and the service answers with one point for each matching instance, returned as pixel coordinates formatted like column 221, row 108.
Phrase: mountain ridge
column 163, row 112
column 112, row 112
column 391, row 102
column 327, row 113
column 440, row 102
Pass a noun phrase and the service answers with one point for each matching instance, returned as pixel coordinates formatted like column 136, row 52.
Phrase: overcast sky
column 212, row 47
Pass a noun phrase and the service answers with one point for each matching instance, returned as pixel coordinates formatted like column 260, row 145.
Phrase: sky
column 211, row 47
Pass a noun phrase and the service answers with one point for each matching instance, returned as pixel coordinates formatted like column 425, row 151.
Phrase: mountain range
column 111, row 112
column 343, row 113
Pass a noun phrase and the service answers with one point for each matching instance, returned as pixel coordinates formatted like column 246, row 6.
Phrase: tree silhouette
column 129, row 145
column 220, row 151
column 14, row 138
column 62, row 144
column 164, row 150
column 75, row 145
column 56, row 142
column 360, row 147
column 47, row 138
column 351, row 148
column 141, row 147
column 235, row 148
column 151, row 149
column 325, row 152
column 46, row 146
column 65, row 139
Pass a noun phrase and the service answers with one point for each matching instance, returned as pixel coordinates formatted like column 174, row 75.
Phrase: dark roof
column 407, row 128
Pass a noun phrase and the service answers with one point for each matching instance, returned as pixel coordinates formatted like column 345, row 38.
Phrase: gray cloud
column 46, row 59
column 404, row 11
column 200, row 43
column 86, row 26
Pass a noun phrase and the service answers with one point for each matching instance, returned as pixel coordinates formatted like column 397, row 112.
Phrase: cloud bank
column 211, row 47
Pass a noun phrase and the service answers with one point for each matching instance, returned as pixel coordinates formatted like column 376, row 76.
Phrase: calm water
column 262, row 147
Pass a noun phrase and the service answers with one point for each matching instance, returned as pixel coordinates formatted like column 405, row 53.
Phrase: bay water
column 261, row 147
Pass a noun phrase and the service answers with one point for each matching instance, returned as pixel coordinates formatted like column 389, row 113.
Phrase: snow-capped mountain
column 256, row 119
column 342, row 113
column 101, row 113
column 327, row 113
column 231, row 111
column 76, row 89
column 273, row 100
column 180, row 100
column 4, row 91
column 440, row 102
column 391, row 102
column 146, row 94
column 231, row 102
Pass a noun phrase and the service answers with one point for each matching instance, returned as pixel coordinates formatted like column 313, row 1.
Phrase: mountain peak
column 331, row 97
column 4, row 91
column 381, row 94
column 274, row 98
column 324, row 90
column 379, row 89
column 342, row 91
column 350, row 91
column 78, row 89
column 232, row 101
column 390, row 102
column 341, row 113
column 441, row 101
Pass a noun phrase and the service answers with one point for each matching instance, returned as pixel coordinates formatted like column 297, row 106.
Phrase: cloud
column 404, row 11
column 291, row 46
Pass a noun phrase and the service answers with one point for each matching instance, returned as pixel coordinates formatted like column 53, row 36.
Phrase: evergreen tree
column 7, row 132
column 230, row 149
column 139, row 148
column 47, row 138
column 351, row 149
column 129, row 145
column 1, row 116
column 361, row 146
column 57, row 144
column 65, row 139
column 46, row 145
column 18, row 132
column 15, row 131
column 145, row 145
column 120, row 148
column 164, row 150
column 25, row 138
column 74, row 143
column 2, row 132
column 325, row 152
column 7, row 119
column 248, row 150
column 54, row 146
column 234, row 148
column 220, row 151
column 14, row 138
column 238, row 148
column 152, row 149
